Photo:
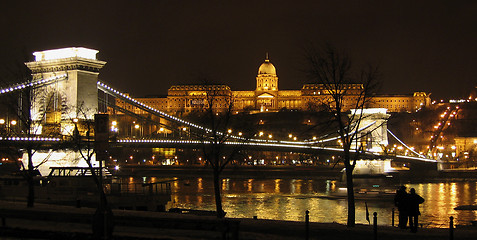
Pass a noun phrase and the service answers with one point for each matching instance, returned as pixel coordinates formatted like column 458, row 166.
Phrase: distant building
column 183, row 99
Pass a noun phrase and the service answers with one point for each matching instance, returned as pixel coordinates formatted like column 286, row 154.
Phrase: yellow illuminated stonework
column 183, row 99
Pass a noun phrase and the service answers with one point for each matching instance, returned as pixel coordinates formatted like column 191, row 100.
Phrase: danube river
column 288, row 199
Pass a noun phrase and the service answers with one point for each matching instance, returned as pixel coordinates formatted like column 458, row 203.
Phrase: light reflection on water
column 288, row 199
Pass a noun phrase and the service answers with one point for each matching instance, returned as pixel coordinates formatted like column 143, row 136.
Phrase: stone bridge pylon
column 68, row 97
column 372, row 136
column 372, row 129
column 72, row 95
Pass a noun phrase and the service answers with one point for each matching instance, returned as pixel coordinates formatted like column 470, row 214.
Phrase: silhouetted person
column 400, row 201
column 413, row 201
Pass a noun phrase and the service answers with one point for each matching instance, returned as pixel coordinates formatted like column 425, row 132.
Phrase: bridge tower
column 374, row 135
column 373, row 138
column 73, row 95
column 69, row 95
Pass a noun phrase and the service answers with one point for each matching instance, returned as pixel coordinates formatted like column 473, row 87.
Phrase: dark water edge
column 314, row 172
column 232, row 172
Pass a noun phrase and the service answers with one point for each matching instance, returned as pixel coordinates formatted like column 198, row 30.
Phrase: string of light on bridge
column 110, row 90
column 240, row 140
column 33, row 139
column 129, row 99
column 338, row 137
column 32, row 83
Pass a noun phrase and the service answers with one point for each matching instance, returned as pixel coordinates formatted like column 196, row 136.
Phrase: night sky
column 152, row 44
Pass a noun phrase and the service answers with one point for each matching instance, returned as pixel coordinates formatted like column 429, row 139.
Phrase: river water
column 288, row 199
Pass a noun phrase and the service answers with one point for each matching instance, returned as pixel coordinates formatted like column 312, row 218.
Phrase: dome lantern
column 267, row 68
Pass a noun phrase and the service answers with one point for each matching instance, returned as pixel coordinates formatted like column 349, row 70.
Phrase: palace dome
column 267, row 68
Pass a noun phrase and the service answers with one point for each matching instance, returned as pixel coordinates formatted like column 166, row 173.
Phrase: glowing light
column 65, row 53
column 13, row 122
column 2, row 121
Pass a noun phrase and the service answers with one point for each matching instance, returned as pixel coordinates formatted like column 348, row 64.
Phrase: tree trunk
column 350, row 191
column 30, row 181
column 218, row 195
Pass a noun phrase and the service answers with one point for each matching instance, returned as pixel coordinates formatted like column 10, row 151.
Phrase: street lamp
column 2, row 121
column 114, row 125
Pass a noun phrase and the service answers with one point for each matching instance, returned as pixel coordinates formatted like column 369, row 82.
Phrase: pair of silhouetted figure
column 408, row 207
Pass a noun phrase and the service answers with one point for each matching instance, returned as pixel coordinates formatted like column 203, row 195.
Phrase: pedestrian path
column 127, row 227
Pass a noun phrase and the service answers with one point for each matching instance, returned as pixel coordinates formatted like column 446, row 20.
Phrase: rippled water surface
column 288, row 199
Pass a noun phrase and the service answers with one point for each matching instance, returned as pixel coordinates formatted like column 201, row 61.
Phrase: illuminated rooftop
column 61, row 53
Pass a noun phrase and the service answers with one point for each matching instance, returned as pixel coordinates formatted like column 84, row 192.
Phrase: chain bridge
column 65, row 94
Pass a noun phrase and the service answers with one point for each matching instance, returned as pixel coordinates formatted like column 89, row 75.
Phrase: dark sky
column 149, row 45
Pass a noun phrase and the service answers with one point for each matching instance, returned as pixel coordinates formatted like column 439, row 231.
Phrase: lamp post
column 2, row 126
column 13, row 123
column 136, row 130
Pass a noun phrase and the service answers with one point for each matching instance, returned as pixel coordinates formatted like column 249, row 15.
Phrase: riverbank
column 327, row 172
column 318, row 172
column 63, row 222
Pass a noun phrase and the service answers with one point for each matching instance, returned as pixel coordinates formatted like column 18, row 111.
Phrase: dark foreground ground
column 62, row 222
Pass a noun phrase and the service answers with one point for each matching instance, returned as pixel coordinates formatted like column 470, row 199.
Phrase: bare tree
column 217, row 116
column 345, row 90
column 18, row 105
column 84, row 138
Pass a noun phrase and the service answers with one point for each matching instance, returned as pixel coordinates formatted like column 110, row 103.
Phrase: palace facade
column 183, row 99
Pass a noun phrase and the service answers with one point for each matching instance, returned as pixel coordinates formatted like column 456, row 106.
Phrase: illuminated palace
column 182, row 99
